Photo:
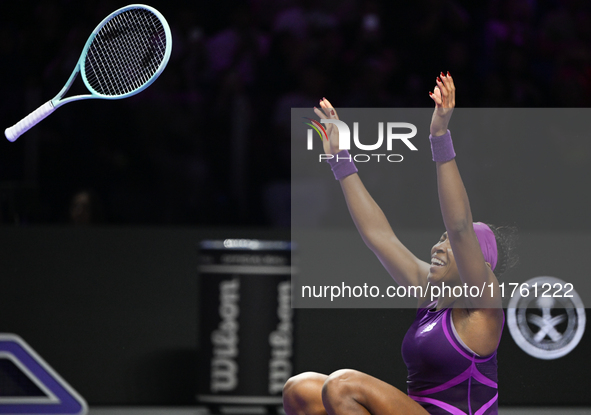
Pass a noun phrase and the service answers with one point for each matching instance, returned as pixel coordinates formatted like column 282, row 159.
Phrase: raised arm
column 374, row 228
column 453, row 200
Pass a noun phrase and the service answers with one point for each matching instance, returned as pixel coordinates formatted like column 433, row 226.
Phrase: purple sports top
column 444, row 376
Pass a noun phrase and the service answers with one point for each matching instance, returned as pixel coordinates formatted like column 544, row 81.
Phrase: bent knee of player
column 300, row 391
column 341, row 386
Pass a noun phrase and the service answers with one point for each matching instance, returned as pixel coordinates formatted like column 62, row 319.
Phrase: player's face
column 443, row 263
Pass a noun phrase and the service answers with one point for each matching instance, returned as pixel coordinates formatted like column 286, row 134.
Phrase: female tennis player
column 450, row 349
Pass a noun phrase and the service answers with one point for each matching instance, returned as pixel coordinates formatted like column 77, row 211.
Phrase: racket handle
column 21, row 127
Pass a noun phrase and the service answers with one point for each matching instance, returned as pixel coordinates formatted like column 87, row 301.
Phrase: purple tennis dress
column 444, row 376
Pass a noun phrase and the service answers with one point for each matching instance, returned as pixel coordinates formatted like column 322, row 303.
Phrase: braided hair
column 506, row 237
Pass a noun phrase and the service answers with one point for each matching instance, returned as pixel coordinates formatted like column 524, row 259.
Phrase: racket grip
column 21, row 127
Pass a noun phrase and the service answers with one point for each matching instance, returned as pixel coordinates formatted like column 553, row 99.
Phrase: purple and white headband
column 488, row 243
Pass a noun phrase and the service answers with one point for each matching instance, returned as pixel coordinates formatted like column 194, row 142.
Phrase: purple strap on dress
column 442, row 147
column 488, row 243
column 487, row 405
column 342, row 165
column 449, row 408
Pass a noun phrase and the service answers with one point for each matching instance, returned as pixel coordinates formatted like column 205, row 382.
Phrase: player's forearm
column 453, row 199
column 365, row 212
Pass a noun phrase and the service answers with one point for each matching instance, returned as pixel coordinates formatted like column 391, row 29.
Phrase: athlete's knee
column 340, row 385
column 299, row 384
column 300, row 390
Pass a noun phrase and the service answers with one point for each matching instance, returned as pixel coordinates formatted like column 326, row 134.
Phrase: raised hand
column 444, row 96
column 327, row 111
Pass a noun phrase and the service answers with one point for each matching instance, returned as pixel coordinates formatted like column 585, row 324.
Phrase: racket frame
column 57, row 101
column 21, row 127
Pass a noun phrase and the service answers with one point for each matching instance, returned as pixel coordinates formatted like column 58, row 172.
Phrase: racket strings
column 129, row 53
column 126, row 53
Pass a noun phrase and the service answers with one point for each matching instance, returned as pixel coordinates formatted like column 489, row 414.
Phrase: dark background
column 113, row 306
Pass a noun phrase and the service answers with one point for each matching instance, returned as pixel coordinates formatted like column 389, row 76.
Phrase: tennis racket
column 126, row 52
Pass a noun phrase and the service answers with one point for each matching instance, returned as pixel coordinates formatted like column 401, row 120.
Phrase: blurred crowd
column 209, row 142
